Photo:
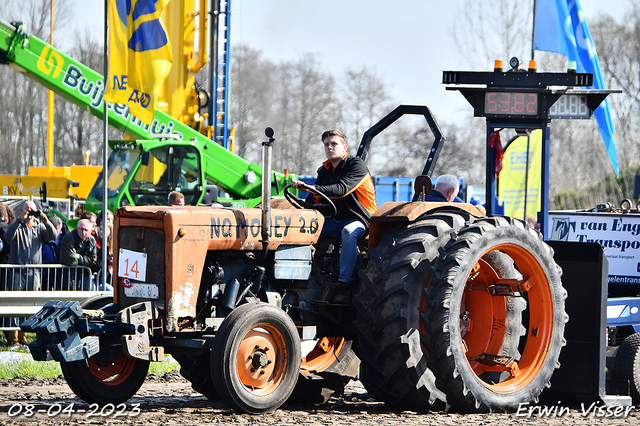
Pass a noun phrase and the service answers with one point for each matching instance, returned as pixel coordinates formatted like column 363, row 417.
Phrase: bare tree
column 23, row 130
column 499, row 30
column 250, row 99
column 365, row 100
column 493, row 29
column 619, row 54
column 76, row 130
column 304, row 108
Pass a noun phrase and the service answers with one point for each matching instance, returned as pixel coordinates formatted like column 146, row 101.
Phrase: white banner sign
column 618, row 234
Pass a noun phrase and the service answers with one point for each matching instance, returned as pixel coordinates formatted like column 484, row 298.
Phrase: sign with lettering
column 616, row 233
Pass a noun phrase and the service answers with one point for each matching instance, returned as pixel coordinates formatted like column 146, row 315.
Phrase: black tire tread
column 197, row 370
column 90, row 390
column 394, row 365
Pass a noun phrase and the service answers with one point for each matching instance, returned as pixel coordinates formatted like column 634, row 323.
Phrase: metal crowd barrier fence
column 25, row 289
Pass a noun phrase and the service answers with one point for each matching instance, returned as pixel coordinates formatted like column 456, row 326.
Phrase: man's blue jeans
column 351, row 231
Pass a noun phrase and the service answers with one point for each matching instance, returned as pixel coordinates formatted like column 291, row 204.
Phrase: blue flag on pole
column 560, row 26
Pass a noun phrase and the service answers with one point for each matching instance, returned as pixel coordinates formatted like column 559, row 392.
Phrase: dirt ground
column 169, row 400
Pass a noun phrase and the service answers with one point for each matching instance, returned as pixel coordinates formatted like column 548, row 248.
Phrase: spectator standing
column 78, row 248
column 94, row 221
column 26, row 236
column 50, row 250
column 100, row 217
column 91, row 216
column 4, row 245
column 11, row 214
column 10, row 335
column 101, row 243
column 51, row 255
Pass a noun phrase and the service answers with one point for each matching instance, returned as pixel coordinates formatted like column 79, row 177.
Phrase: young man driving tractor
column 345, row 179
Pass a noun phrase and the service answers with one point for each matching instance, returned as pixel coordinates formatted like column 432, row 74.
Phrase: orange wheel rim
column 323, row 354
column 483, row 319
column 262, row 359
column 112, row 373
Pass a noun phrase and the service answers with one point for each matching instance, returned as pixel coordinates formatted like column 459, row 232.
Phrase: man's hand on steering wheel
column 304, row 186
column 327, row 208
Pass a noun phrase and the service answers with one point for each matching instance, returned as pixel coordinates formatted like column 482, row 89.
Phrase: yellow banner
column 140, row 55
column 511, row 183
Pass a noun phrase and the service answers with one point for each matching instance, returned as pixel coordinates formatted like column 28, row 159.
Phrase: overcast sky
column 407, row 41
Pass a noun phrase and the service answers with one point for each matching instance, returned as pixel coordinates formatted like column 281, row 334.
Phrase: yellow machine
column 79, row 180
column 179, row 96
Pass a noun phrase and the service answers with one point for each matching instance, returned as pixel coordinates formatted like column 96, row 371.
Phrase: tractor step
column 493, row 360
column 505, row 287
column 501, row 363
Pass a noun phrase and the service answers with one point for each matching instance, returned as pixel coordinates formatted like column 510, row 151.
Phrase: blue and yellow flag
column 140, row 55
column 560, row 26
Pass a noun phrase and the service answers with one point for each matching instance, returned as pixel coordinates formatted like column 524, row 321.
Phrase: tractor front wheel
column 100, row 380
column 255, row 359
column 103, row 381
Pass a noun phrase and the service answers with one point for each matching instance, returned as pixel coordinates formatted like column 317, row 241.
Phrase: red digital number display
column 510, row 103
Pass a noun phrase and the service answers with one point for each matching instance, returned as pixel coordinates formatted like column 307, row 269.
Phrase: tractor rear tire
column 102, row 381
column 388, row 305
column 627, row 365
column 255, row 359
column 467, row 314
column 197, row 370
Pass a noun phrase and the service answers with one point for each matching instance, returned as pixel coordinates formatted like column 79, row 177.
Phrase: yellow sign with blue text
column 140, row 55
column 511, row 183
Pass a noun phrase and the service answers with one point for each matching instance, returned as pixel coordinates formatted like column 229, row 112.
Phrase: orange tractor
column 453, row 308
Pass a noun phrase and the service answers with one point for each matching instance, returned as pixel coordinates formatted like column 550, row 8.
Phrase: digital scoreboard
column 511, row 103
column 527, row 97
column 571, row 107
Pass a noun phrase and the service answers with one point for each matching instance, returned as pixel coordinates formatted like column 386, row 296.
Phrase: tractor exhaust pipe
column 266, row 190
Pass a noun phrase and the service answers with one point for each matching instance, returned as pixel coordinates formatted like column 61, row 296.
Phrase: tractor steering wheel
column 328, row 210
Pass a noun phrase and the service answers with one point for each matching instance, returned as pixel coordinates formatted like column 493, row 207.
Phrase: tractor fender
column 401, row 213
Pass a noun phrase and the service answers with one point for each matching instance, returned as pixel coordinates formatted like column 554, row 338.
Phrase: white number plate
column 132, row 265
column 145, row 291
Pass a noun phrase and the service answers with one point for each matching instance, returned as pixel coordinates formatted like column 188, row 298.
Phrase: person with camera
column 26, row 235
column 78, row 248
